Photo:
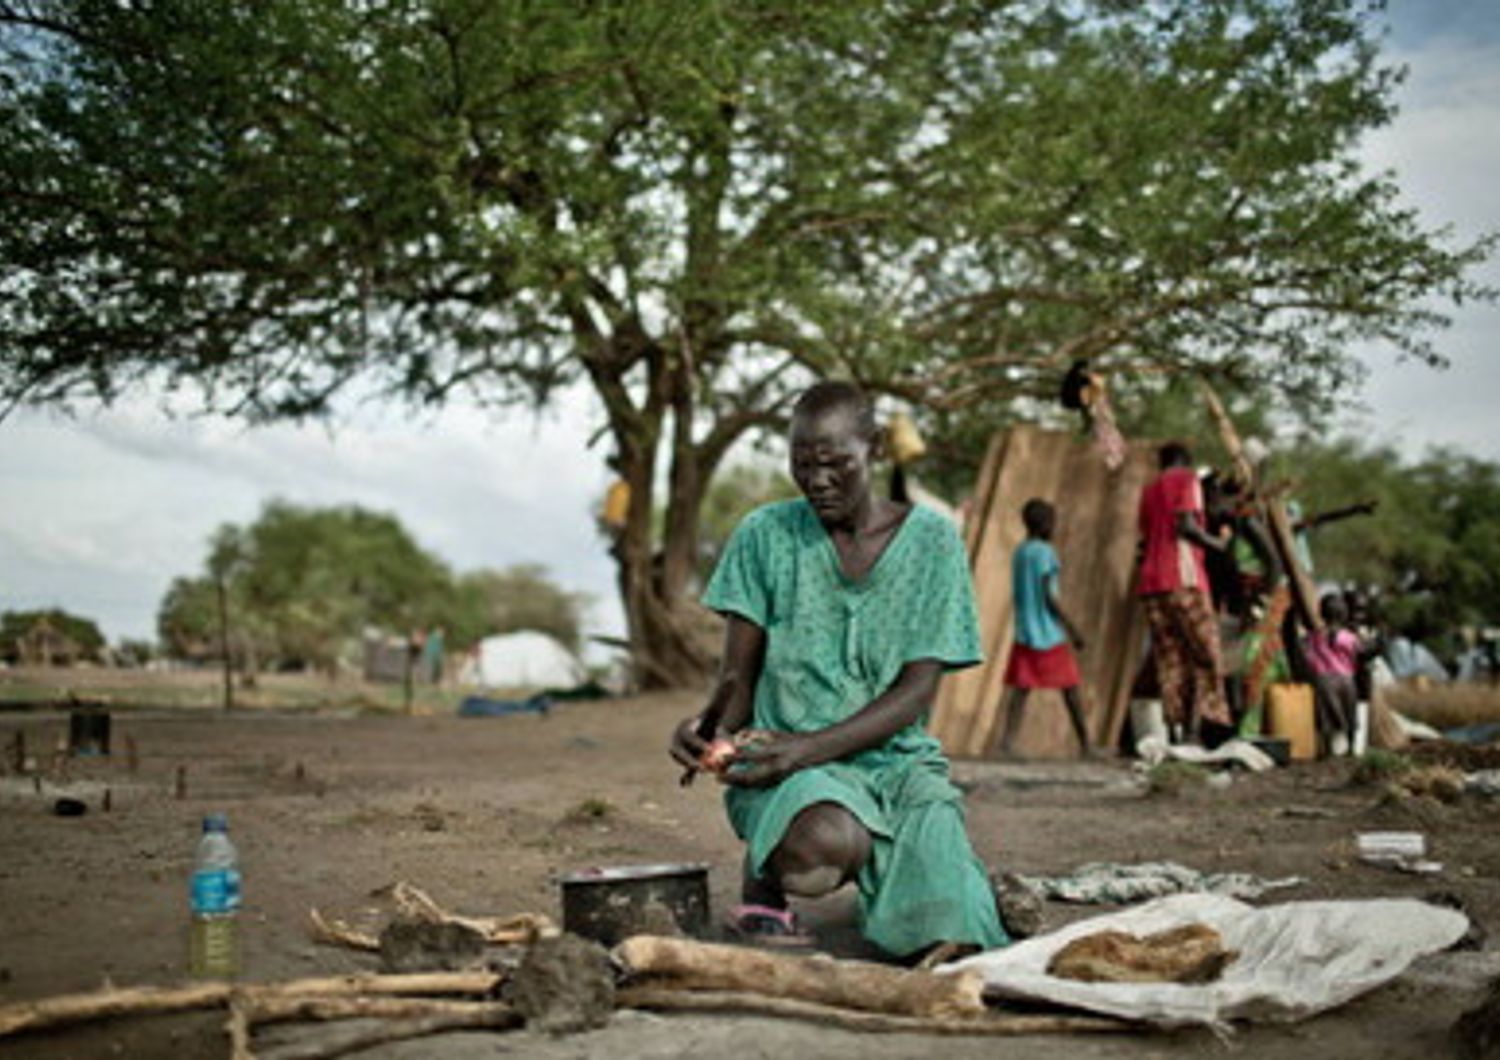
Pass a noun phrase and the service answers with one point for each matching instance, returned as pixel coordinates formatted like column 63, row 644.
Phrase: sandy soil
column 484, row 814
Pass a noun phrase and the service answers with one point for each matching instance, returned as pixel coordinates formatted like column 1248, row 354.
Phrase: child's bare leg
column 1074, row 703
column 1014, row 704
column 1327, row 709
column 1344, row 700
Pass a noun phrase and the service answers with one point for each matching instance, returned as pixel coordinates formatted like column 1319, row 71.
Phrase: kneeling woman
column 843, row 613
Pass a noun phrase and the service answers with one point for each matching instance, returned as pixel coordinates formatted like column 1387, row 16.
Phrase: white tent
column 526, row 659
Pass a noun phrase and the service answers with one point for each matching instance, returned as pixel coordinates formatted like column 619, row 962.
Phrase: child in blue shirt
column 1041, row 656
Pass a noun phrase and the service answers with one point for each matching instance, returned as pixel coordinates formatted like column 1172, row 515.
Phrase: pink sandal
column 764, row 925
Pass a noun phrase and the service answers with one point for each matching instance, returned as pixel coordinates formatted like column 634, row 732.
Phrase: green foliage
column 1432, row 547
column 1171, row 778
column 697, row 207
column 519, row 597
column 135, row 651
column 187, row 620
column 1377, row 766
column 462, row 192
column 81, row 634
column 321, row 575
column 302, row 584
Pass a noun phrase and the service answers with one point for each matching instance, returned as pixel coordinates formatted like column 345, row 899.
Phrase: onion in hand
column 717, row 756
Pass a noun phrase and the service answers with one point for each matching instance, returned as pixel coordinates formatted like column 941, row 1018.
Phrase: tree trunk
column 666, row 628
column 665, row 637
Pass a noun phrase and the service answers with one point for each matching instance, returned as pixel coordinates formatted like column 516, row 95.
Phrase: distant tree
column 135, row 651
column 694, row 208
column 74, row 632
column 187, row 620
column 302, row 583
column 1432, row 548
column 516, row 598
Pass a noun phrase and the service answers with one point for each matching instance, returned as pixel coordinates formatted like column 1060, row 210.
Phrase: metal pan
column 608, row 904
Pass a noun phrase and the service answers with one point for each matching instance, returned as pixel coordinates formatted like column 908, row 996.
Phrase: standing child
column 1333, row 656
column 1040, row 657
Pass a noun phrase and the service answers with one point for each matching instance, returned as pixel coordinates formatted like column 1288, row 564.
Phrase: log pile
column 657, row 973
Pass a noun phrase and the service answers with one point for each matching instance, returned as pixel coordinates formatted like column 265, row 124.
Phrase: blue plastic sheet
column 485, row 707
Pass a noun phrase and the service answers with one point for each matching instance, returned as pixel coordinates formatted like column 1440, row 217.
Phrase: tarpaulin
column 1294, row 959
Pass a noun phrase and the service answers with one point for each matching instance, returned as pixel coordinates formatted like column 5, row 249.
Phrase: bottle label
column 216, row 891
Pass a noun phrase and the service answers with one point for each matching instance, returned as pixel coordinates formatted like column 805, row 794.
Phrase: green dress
column 833, row 644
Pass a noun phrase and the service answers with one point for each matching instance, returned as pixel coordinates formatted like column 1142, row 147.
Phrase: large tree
column 694, row 206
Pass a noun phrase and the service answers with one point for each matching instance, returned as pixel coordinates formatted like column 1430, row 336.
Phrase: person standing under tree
column 1173, row 586
column 1040, row 656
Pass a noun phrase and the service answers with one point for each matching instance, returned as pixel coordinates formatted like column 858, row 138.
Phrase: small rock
column 564, row 984
column 408, row 945
column 1021, row 908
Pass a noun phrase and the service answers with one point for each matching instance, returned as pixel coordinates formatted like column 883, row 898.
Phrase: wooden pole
column 985, row 1024
column 844, row 984
column 223, row 594
column 1273, row 511
column 487, row 1016
column 144, row 1000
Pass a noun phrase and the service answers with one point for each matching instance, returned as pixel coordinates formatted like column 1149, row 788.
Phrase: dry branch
column 843, row 984
column 238, row 1029
column 409, row 1017
column 491, row 1016
column 339, row 933
column 669, row 1000
column 277, row 1009
column 145, row 1000
column 102, row 1004
column 416, row 904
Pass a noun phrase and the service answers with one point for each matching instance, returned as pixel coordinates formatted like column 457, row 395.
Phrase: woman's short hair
column 836, row 394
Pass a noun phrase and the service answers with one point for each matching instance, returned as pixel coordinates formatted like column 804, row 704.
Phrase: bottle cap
column 216, row 822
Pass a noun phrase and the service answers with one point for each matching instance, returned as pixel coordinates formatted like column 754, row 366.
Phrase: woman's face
column 831, row 464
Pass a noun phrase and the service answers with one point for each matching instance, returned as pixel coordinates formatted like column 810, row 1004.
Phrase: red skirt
column 1054, row 668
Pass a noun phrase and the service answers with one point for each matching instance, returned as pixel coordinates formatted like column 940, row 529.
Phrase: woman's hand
column 769, row 758
column 686, row 746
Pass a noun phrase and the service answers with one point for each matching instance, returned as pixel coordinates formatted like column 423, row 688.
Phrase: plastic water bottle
column 214, row 952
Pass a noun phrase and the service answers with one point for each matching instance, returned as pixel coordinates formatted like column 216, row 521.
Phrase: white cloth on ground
column 1154, row 750
column 1110, row 882
column 1294, row 959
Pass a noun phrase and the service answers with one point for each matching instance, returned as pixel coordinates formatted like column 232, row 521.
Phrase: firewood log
column 845, row 984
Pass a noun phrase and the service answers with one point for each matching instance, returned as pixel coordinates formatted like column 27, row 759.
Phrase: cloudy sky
column 100, row 511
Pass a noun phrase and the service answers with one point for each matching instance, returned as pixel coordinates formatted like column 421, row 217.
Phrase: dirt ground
column 485, row 813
